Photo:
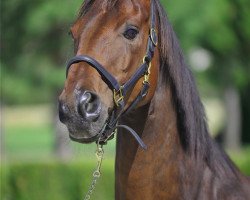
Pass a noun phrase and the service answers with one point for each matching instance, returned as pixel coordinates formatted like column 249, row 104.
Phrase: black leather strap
column 135, row 77
column 138, row 98
column 136, row 136
column 108, row 78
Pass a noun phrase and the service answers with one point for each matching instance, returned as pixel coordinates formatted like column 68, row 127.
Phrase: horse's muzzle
column 85, row 118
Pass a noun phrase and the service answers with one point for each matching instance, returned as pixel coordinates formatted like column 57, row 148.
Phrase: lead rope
column 97, row 173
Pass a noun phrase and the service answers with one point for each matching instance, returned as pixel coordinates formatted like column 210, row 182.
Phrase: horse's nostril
column 63, row 112
column 89, row 106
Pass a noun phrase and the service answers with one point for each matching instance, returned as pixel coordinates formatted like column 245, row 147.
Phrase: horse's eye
column 131, row 33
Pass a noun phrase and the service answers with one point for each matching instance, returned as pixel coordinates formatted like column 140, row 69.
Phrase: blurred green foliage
column 35, row 47
column 222, row 28
column 54, row 181
column 29, row 142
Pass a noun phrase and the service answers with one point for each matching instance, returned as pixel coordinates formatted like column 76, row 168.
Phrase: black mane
column 191, row 117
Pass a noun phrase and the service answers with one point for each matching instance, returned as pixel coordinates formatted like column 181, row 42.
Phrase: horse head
column 113, row 40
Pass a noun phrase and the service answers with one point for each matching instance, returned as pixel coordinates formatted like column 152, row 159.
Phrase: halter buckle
column 153, row 36
column 147, row 74
column 118, row 96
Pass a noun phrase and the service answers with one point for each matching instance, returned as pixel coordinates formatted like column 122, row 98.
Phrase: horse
column 129, row 74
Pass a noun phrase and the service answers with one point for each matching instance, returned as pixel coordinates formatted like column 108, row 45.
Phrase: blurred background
column 37, row 159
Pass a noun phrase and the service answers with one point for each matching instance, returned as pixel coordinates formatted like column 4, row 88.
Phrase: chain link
column 97, row 172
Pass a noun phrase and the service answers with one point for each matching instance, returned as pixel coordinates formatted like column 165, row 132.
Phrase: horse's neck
column 164, row 170
column 139, row 172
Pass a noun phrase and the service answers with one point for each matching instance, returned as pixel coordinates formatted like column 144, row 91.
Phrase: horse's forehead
column 118, row 9
column 110, row 4
column 108, row 7
column 103, row 13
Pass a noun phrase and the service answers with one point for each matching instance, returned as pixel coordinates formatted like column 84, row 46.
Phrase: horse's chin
column 86, row 132
column 84, row 140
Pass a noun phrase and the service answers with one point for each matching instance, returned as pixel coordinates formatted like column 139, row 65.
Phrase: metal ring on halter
column 153, row 36
column 147, row 74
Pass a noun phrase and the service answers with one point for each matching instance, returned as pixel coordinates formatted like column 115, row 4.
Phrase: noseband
column 120, row 91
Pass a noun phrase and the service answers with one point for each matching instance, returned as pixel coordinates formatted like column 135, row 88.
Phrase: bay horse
column 129, row 74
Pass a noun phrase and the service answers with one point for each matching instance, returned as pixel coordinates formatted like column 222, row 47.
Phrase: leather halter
column 120, row 91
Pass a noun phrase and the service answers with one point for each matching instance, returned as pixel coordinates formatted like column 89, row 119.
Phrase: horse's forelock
column 108, row 4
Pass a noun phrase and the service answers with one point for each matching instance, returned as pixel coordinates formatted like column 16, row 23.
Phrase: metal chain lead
column 97, row 173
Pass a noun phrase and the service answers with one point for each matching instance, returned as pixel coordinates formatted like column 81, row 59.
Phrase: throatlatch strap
column 137, row 75
column 139, row 97
column 136, row 136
